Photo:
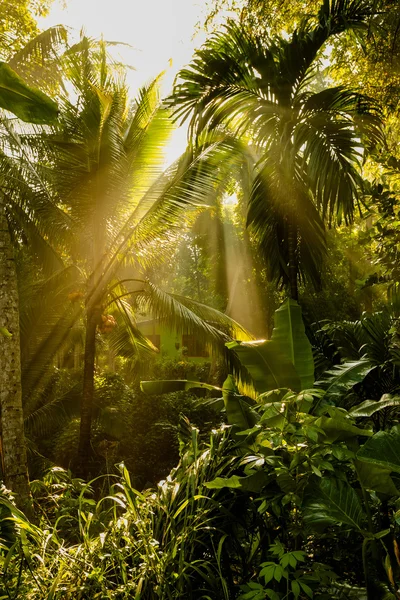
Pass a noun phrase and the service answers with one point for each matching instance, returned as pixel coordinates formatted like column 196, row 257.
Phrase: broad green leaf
column 382, row 449
column 295, row 588
column 173, row 385
column 26, row 103
column 374, row 477
column 268, row 573
column 267, row 365
column 345, row 376
column 333, row 501
column 370, row 407
column 290, row 337
column 238, row 412
column 251, row 483
column 338, row 430
column 306, row 589
column 284, row 361
column 220, row 482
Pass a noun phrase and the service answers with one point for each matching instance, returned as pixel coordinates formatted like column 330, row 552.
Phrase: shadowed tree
column 309, row 141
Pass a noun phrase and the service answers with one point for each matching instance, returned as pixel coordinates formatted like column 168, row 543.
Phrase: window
column 195, row 347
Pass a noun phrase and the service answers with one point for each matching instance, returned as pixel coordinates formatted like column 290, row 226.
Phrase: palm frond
column 269, row 218
column 191, row 317
column 45, row 416
column 41, row 48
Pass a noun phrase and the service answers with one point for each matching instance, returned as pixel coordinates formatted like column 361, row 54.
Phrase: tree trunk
column 292, row 261
column 84, row 449
column 12, row 422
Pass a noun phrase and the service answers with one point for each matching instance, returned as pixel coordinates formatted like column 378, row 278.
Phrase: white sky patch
column 157, row 30
column 231, row 200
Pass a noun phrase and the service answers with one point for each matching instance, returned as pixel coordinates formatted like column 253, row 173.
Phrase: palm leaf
column 343, row 377
column 41, row 48
column 190, row 317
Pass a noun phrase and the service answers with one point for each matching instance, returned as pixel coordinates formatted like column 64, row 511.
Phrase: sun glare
column 153, row 37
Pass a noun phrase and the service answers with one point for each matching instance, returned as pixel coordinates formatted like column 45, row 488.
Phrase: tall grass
column 169, row 543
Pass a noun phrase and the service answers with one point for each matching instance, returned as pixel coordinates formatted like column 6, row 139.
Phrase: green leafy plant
column 283, row 570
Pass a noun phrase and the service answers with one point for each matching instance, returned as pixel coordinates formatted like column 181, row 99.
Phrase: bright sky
column 157, row 30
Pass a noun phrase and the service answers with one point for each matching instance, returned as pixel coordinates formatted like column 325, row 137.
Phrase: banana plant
column 284, row 361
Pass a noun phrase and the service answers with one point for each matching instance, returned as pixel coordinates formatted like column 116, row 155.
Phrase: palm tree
column 308, row 142
column 29, row 105
column 105, row 168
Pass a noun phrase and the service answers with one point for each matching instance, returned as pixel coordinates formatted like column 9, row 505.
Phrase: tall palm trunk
column 93, row 319
column 292, row 261
column 12, row 423
column 84, row 449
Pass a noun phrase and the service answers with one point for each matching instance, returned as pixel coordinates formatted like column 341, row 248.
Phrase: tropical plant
column 368, row 350
column 308, row 139
column 33, row 106
column 224, row 520
column 284, row 361
column 104, row 164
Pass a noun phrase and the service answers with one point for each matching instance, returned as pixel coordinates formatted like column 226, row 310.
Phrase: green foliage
column 307, row 140
column 297, row 497
column 285, row 567
column 290, row 337
column 333, row 501
column 27, row 103
column 128, row 425
column 370, row 407
column 382, row 449
column 201, row 532
column 369, row 369
column 284, row 361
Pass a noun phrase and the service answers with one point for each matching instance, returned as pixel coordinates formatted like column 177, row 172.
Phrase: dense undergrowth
column 295, row 507
column 295, row 496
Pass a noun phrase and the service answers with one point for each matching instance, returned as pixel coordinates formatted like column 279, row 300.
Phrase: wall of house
column 168, row 340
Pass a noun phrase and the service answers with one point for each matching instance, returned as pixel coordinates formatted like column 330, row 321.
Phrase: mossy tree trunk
column 12, row 422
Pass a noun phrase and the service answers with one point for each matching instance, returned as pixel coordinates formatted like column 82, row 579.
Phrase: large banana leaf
column 26, row 103
column 284, row 361
column 290, row 337
column 331, row 502
column 268, row 366
column 382, row 449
